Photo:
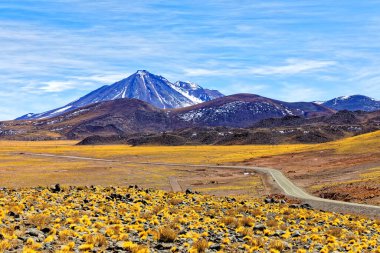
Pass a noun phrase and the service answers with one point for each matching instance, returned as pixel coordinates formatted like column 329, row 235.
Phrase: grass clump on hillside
column 111, row 219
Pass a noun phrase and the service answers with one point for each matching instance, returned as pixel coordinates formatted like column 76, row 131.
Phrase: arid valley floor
column 94, row 210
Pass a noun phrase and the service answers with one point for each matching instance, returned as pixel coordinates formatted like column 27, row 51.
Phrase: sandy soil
column 329, row 175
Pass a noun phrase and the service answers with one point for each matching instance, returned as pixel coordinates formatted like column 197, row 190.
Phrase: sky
column 54, row 51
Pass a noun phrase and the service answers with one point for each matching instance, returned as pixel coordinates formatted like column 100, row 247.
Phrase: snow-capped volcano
column 142, row 85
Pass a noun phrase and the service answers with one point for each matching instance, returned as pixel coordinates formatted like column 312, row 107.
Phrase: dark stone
column 259, row 227
column 46, row 230
column 56, row 188
column 33, row 232
column 296, row 234
column 306, row 206
column 269, row 200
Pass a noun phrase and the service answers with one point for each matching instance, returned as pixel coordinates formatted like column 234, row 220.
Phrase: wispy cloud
column 291, row 67
column 57, row 50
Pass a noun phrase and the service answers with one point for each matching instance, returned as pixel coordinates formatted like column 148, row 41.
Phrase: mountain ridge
column 142, row 85
column 353, row 103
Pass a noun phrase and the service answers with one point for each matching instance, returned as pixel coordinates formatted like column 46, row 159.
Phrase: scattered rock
column 33, row 232
column 296, row 233
column 56, row 188
column 306, row 206
column 259, row 227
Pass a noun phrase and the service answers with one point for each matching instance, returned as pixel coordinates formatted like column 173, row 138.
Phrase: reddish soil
column 330, row 170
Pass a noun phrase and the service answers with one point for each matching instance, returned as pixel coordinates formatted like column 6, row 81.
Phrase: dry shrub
column 272, row 223
column 286, row 212
column 246, row 231
column 39, row 220
column 175, row 201
column 157, row 209
column 4, row 245
column 140, row 249
column 277, row 245
column 166, row 234
column 247, row 221
column 257, row 242
column 283, row 227
column 337, row 232
column 201, row 245
column 231, row 212
column 64, row 235
column 256, row 212
column 96, row 240
column 230, row 221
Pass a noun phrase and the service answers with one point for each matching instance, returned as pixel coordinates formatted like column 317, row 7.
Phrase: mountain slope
column 129, row 116
column 114, row 117
column 353, row 103
column 243, row 110
column 153, row 89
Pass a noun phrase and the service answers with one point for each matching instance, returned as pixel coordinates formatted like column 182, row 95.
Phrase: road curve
column 287, row 186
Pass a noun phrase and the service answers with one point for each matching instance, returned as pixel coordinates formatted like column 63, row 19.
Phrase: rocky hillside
column 353, row 103
column 243, row 110
column 129, row 116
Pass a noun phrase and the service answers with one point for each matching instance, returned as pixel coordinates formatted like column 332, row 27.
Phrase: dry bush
column 146, row 215
column 230, row 221
column 336, row 232
column 247, row 221
column 272, row 223
column 277, row 245
column 166, row 234
column 175, row 201
column 96, row 240
column 257, row 242
column 246, row 231
column 231, row 212
column 201, row 245
column 256, row 212
column 64, row 235
column 39, row 220
column 140, row 249
column 4, row 245
column 283, row 227
column 157, row 209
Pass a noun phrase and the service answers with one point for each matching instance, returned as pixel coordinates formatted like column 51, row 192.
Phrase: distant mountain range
column 145, row 103
column 353, row 103
column 129, row 116
column 153, row 89
column 161, row 93
column 242, row 110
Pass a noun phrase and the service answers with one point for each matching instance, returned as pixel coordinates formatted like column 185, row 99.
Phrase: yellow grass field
column 18, row 168
column 192, row 154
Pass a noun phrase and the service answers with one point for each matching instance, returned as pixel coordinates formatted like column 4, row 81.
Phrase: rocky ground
column 129, row 219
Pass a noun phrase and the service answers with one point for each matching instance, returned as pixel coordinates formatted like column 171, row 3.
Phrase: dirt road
column 288, row 187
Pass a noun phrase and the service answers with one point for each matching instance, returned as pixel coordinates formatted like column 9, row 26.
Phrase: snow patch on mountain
column 153, row 89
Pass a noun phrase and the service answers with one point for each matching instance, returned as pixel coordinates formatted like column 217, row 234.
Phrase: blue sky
column 52, row 52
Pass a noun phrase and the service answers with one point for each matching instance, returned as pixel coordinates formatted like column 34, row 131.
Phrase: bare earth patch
column 352, row 178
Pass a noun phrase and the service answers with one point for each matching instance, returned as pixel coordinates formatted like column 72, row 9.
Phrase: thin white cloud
column 203, row 72
column 57, row 86
column 292, row 67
